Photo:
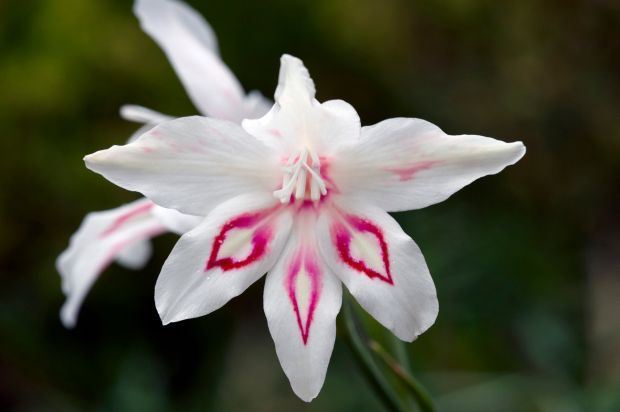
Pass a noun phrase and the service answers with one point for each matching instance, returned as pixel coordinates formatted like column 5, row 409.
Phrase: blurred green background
column 526, row 263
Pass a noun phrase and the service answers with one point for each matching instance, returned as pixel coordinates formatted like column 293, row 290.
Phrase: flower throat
column 302, row 178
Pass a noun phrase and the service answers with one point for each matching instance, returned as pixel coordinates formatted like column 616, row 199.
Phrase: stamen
column 295, row 177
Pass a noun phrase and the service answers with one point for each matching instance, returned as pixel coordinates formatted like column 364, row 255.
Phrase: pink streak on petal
column 275, row 132
column 308, row 259
column 407, row 173
column 325, row 168
column 341, row 236
column 260, row 239
column 118, row 247
column 124, row 218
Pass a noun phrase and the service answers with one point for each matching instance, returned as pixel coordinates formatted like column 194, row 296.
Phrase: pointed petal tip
column 289, row 58
column 294, row 80
column 305, row 394
column 522, row 148
column 519, row 149
column 88, row 158
column 165, row 317
column 125, row 110
column 166, row 312
column 307, row 399
column 425, row 324
column 99, row 157
column 94, row 159
column 162, row 312
column 132, row 113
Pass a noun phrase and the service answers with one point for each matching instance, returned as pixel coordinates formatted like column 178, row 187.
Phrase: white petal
column 138, row 133
column 381, row 266
column 135, row 255
column 295, row 86
column 298, row 121
column 256, row 105
column 176, row 221
column 140, row 114
column 149, row 118
column 161, row 18
column 102, row 238
column 235, row 245
column 301, row 301
column 190, row 164
column 189, row 42
column 401, row 164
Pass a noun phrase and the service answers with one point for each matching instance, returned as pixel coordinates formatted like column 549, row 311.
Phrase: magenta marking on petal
column 124, row 218
column 341, row 236
column 309, row 262
column 260, row 239
column 325, row 169
column 407, row 173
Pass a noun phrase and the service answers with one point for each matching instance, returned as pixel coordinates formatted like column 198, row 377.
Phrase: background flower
column 123, row 234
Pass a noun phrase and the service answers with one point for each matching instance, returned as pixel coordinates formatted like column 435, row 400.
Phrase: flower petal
column 234, row 246
column 299, row 121
column 149, row 118
column 135, row 255
column 176, row 221
column 140, row 114
column 301, row 301
column 256, row 105
column 381, row 266
column 191, row 46
column 122, row 233
column 401, row 164
column 173, row 18
column 295, row 86
column 190, row 164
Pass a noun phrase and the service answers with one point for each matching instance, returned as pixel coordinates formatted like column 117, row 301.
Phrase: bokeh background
column 526, row 263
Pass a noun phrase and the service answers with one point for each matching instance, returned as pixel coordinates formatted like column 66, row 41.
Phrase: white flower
column 302, row 193
column 123, row 234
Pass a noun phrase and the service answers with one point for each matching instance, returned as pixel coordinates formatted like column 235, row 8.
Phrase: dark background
column 526, row 263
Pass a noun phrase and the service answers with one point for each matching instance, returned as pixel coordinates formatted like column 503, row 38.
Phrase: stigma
column 301, row 179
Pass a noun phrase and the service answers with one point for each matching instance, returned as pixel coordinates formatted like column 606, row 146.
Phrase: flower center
column 302, row 178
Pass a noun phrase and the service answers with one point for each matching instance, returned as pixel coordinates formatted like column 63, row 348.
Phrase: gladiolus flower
column 302, row 193
column 123, row 234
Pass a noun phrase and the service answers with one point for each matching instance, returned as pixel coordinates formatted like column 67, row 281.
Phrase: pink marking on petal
column 124, row 218
column 324, row 171
column 407, row 173
column 308, row 260
column 260, row 239
column 231, row 96
column 275, row 132
column 341, row 236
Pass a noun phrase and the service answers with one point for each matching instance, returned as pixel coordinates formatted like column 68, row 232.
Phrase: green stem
column 400, row 353
column 420, row 394
column 367, row 362
column 399, row 350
